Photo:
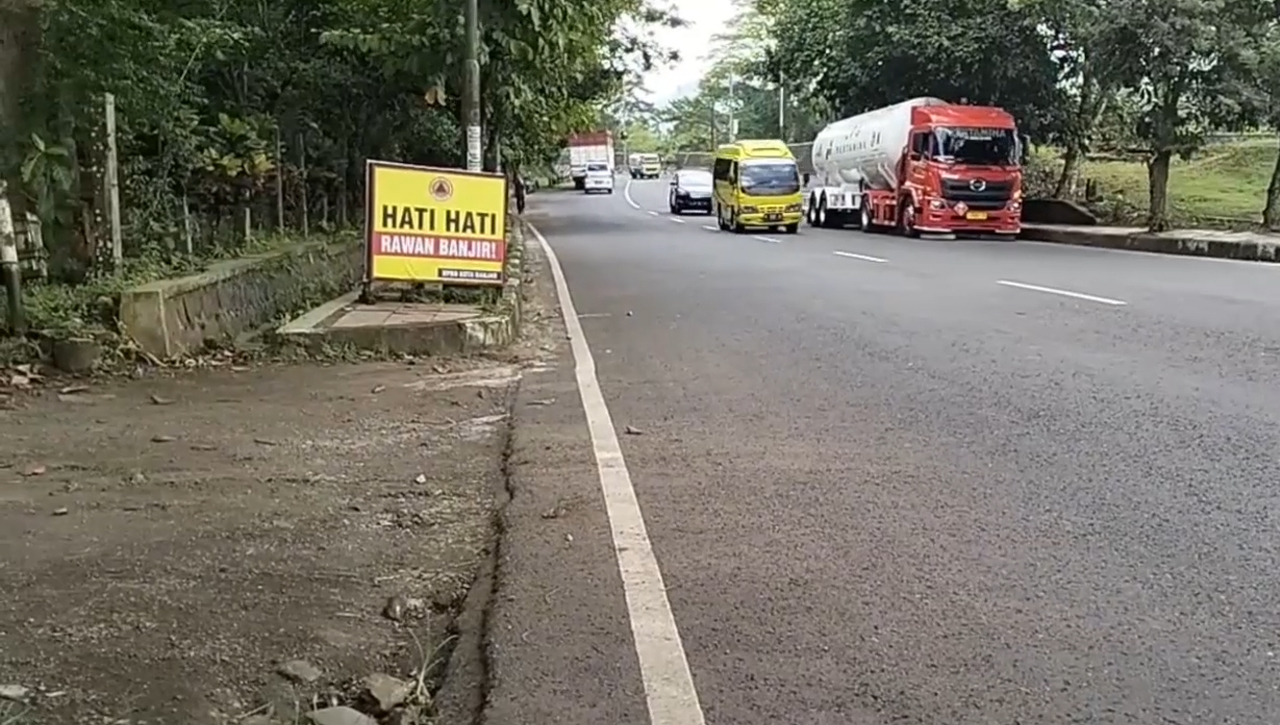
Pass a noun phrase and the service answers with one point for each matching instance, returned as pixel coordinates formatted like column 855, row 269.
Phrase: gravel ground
column 169, row 545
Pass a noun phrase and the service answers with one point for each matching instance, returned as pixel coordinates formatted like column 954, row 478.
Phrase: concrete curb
column 1252, row 246
column 465, row 336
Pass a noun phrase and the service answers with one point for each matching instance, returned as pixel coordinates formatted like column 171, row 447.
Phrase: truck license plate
column 976, row 216
column 773, row 217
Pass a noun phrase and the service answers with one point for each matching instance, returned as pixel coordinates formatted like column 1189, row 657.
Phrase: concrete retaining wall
column 173, row 317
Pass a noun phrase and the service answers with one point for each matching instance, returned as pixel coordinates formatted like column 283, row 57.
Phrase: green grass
column 1226, row 181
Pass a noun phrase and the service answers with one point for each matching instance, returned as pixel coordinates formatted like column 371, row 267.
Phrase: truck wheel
column 720, row 222
column 792, row 228
column 907, row 219
column 823, row 221
column 736, row 225
column 864, row 219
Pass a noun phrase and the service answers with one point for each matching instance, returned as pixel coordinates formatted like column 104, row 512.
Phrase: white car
column 599, row 178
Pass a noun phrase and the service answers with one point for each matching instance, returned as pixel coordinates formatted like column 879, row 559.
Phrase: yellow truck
column 757, row 184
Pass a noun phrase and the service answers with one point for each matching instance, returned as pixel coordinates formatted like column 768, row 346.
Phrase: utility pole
column 471, row 101
column 713, row 126
column 9, row 268
column 782, row 110
column 733, row 131
column 113, row 185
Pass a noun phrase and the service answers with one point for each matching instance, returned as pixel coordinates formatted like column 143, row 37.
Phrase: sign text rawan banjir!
column 436, row 225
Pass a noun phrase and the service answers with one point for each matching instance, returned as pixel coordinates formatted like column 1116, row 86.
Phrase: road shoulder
column 559, row 643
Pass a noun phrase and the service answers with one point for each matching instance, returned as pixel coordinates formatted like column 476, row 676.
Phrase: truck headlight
column 750, row 210
column 937, row 204
column 792, row 208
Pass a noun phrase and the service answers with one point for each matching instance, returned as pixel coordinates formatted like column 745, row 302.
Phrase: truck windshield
column 977, row 146
column 770, row 178
column 597, row 167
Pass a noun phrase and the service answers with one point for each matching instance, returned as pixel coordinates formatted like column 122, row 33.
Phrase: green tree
column 1081, row 39
column 856, row 55
column 1188, row 63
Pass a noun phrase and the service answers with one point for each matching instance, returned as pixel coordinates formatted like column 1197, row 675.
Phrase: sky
column 705, row 19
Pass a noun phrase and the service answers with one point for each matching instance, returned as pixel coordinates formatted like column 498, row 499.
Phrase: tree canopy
column 236, row 118
column 1162, row 75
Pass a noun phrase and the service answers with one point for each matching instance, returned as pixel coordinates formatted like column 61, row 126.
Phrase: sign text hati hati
column 432, row 220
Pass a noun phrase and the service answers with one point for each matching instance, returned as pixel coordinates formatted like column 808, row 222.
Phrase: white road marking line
column 626, row 194
column 863, row 257
column 1063, row 292
column 710, row 228
column 653, row 213
column 668, row 683
column 770, row 240
column 677, row 220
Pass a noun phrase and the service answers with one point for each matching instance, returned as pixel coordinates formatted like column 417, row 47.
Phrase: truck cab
column 960, row 172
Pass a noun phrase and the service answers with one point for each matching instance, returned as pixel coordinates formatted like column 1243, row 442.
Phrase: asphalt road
column 900, row 481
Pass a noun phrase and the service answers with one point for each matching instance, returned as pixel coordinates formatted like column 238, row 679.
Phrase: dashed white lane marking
column 863, row 257
column 626, row 194
column 668, row 683
column 770, row 240
column 710, row 228
column 653, row 213
column 677, row 220
column 1062, row 292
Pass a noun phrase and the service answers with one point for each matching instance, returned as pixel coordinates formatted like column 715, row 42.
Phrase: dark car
column 690, row 189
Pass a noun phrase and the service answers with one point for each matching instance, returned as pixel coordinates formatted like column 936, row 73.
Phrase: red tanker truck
column 920, row 166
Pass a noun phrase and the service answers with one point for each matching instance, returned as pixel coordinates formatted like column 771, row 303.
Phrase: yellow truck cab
column 757, row 184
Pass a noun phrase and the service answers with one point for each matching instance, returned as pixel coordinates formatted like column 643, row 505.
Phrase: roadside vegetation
column 227, row 128
column 1131, row 95
column 1219, row 186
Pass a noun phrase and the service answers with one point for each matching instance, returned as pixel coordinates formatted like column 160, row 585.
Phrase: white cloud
column 704, row 19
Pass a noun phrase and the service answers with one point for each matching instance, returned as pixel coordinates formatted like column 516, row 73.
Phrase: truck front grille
column 995, row 196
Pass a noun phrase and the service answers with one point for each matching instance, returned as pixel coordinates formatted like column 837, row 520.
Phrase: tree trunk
column 1271, row 212
column 1158, row 190
column 1065, row 188
column 19, row 40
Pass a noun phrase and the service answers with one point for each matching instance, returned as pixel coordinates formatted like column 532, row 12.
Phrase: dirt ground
column 168, row 543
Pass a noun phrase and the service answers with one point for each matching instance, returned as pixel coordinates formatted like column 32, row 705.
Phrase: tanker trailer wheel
column 823, row 221
column 811, row 213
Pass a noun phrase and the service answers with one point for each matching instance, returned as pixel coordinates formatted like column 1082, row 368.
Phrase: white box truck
column 585, row 148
